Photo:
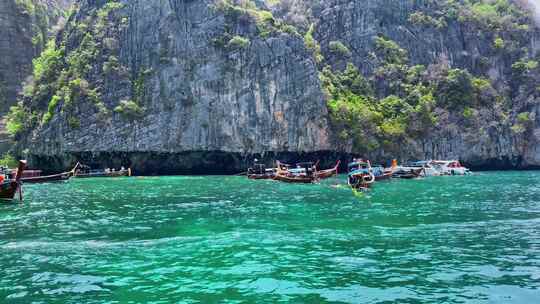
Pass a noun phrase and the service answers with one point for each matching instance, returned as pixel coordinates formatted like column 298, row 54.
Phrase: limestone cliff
column 177, row 76
column 212, row 84
column 493, row 41
column 25, row 26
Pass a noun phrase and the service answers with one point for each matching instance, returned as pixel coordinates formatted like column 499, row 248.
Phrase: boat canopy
column 297, row 170
column 354, row 165
column 377, row 170
column 360, row 171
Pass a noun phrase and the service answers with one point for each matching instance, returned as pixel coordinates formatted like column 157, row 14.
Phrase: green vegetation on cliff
column 64, row 79
column 235, row 11
column 398, row 102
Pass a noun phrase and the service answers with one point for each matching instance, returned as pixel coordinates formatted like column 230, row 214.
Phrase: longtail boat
column 36, row 177
column 381, row 173
column 9, row 186
column 295, row 179
column 259, row 171
column 304, row 173
column 85, row 172
column 360, row 177
column 329, row 172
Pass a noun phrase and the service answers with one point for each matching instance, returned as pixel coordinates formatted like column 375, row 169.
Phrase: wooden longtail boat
column 9, row 187
column 38, row 179
column 329, row 172
column 259, row 171
column 295, row 179
column 261, row 176
column 381, row 173
column 385, row 176
column 102, row 173
column 306, row 173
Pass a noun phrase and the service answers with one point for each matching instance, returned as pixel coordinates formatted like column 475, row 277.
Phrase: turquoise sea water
column 473, row 239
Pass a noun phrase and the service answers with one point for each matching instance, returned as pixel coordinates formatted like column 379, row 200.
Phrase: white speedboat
column 450, row 167
column 428, row 168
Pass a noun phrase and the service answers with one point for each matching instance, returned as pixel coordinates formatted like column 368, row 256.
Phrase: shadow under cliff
column 221, row 163
column 185, row 163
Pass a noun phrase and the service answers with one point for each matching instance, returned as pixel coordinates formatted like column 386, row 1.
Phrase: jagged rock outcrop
column 197, row 85
column 463, row 37
column 25, row 26
column 181, row 76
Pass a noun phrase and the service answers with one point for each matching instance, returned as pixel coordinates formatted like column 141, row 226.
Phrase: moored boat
column 295, row 179
column 35, row 176
column 329, row 172
column 259, row 171
column 381, row 173
column 407, row 173
column 9, row 186
column 450, row 167
column 86, row 172
column 304, row 173
column 428, row 168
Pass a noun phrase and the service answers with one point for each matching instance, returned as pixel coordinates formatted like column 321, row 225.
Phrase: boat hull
column 408, row 174
column 385, row 176
column 327, row 174
column 104, row 174
column 8, row 190
column 456, row 171
column 260, row 176
column 323, row 174
column 295, row 179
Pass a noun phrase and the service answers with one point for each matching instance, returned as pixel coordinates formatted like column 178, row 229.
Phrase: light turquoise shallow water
column 472, row 239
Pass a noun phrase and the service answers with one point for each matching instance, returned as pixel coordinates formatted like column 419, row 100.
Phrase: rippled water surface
column 472, row 239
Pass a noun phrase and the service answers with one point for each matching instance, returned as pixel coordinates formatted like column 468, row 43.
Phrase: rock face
column 188, row 86
column 188, row 76
column 24, row 28
column 16, row 50
column 462, row 42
